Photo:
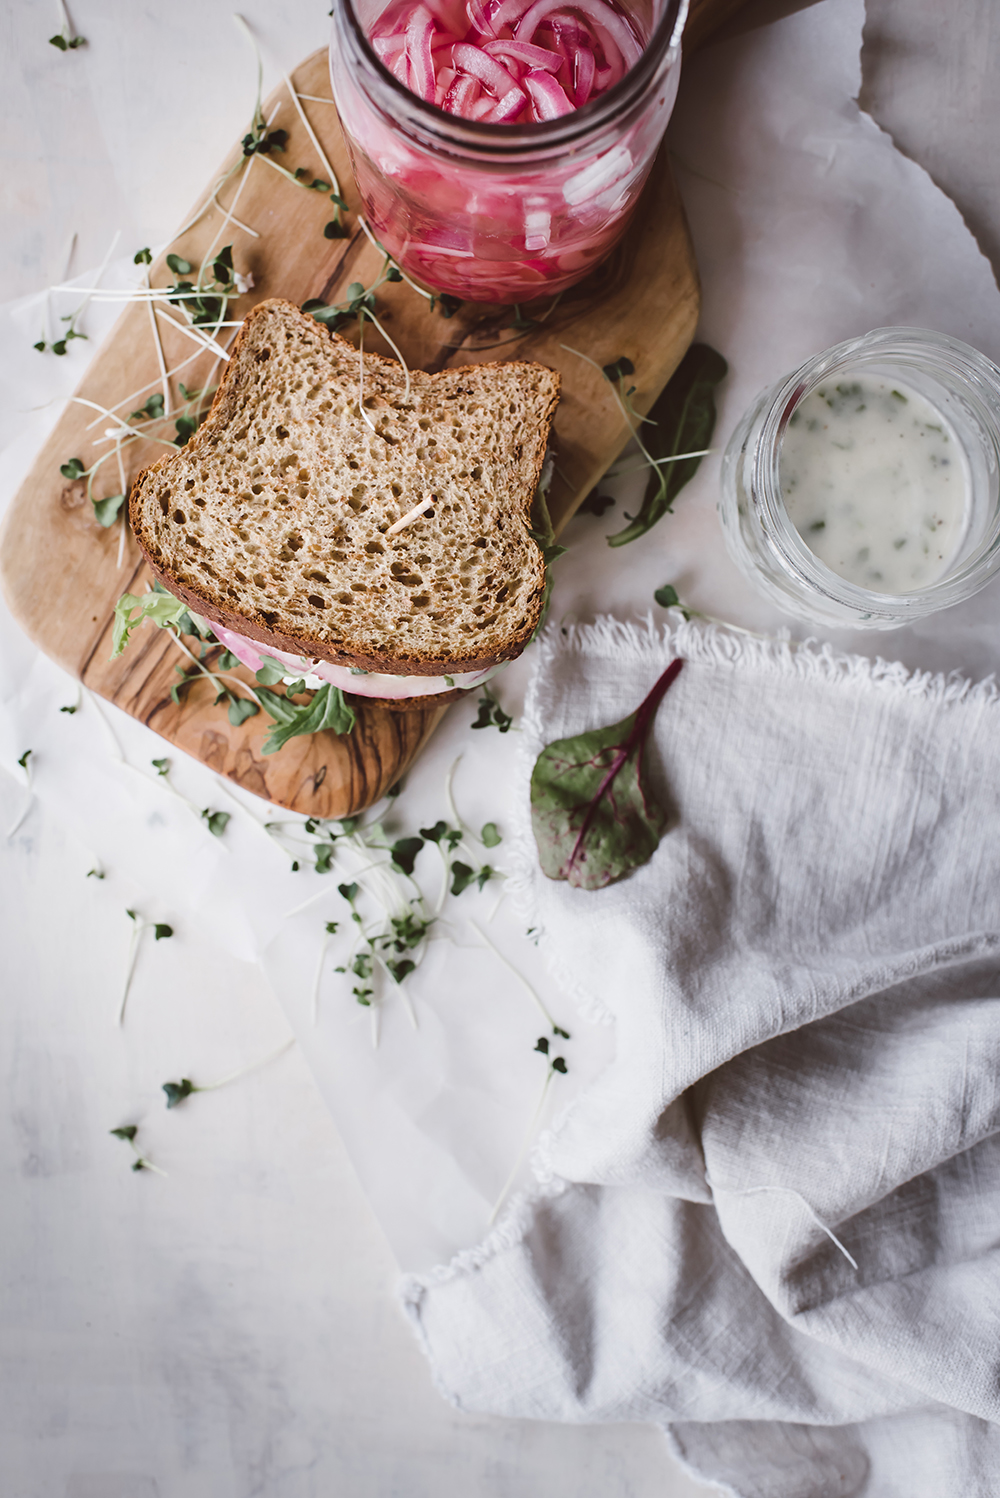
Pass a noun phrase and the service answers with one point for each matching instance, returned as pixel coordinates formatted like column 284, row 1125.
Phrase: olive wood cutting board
column 60, row 569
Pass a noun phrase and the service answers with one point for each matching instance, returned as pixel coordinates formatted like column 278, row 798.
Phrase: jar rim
column 909, row 347
column 506, row 141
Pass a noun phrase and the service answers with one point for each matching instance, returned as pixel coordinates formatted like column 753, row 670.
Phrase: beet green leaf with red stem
column 591, row 811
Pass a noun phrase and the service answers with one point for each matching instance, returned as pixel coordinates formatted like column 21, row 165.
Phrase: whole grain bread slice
column 274, row 520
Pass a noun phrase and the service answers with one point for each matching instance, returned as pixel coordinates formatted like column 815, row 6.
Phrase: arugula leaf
column 130, row 611
column 684, row 417
column 327, row 710
column 106, row 510
column 271, row 672
column 591, row 811
column 240, row 709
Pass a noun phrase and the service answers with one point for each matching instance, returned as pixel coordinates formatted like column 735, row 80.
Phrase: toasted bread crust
column 350, row 639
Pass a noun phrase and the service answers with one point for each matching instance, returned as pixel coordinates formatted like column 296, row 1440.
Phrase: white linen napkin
column 772, row 1222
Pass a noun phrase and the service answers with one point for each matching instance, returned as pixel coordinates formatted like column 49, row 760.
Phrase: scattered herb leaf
column 491, row 713
column 178, row 1091
column 326, row 711
column 217, row 821
column 74, row 469
column 404, row 853
column 490, row 837
column 143, row 256
column 596, row 504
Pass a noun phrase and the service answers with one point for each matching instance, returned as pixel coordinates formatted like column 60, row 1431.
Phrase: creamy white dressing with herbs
column 876, row 483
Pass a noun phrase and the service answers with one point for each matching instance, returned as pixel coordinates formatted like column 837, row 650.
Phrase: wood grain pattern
column 59, row 568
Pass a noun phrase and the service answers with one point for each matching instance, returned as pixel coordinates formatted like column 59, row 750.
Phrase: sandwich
column 370, row 528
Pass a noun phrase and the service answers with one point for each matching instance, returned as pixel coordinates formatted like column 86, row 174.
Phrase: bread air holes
column 281, row 433
column 318, row 577
column 376, row 549
column 420, row 600
column 316, row 601
column 179, row 517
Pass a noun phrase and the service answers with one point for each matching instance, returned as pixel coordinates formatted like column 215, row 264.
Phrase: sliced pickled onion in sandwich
column 362, row 684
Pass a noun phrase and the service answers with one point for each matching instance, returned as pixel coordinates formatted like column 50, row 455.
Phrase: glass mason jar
column 494, row 212
column 961, row 384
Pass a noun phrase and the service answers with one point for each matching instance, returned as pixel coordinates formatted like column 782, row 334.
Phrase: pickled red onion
column 483, row 75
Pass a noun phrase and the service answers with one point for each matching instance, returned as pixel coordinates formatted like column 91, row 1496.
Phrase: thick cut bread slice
column 273, row 519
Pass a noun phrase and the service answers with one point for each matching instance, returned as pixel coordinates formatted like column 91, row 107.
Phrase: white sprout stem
column 383, row 251
column 518, row 975
column 227, row 791
column 374, row 1012
column 148, row 1164
column 106, row 726
column 136, row 294
column 226, row 219
column 501, row 897
column 212, row 675
column 64, row 15
column 621, row 404
column 618, row 473
column 298, row 909
column 522, row 1152
column 211, row 198
column 244, row 1071
column 27, row 805
column 411, row 1013
column 124, row 429
column 130, row 399
column 208, row 345
column 158, row 343
column 97, row 279
column 395, row 349
column 133, row 952
column 314, row 98
column 334, row 183
column 318, row 977
column 411, row 515
column 232, row 217
column 241, row 25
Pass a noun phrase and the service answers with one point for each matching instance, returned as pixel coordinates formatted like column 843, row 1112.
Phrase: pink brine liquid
column 483, row 225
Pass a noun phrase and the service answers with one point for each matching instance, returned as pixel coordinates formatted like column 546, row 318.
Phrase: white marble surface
column 230, row 1329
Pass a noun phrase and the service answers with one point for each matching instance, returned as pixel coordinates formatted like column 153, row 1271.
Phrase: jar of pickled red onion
column 500, row 146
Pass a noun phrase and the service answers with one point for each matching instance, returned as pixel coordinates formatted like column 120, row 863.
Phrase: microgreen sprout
column 65, row 40
column 557, row 1064
column 667, row 597
column 177, row 1091
column 128, row 1133
column 160, row 932
column 491, row 714
column 25, row 764
column 95, row 873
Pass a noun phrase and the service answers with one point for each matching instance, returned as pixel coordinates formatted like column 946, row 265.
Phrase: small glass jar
column 494, row 212
column 961, row 384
